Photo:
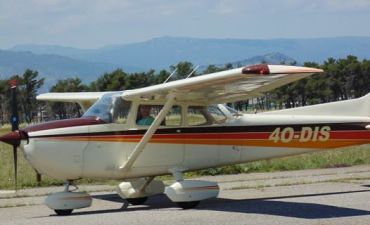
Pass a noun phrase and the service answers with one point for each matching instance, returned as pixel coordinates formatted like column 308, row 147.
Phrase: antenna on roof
column 191, row 73
column 170, row 75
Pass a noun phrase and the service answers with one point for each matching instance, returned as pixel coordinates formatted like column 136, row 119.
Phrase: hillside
column 51, row 66
column 162, row 52
column 56, row 62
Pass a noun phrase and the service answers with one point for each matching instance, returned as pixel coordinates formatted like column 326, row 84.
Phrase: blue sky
column 96, row 23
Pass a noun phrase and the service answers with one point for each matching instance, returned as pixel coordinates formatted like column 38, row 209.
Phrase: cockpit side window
column 147, row 113
column 120, row 110
column 197, row 116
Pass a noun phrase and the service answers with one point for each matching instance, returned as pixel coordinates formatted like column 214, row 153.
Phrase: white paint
column 191, row 190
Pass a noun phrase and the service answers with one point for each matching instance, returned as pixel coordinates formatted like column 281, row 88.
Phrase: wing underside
column 84, row 99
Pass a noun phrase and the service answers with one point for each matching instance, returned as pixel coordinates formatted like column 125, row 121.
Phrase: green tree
column 183, row 69
column 65, row 110
column 161, row 77
column 4, row 108
column 362, row 82
column 212, row 69
column 139, row 80
column 114, row 81
column 28, row 89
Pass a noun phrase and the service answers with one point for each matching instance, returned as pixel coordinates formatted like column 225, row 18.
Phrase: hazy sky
column 95, row 23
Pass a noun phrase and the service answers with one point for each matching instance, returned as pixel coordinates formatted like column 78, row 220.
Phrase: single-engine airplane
column 170, row 128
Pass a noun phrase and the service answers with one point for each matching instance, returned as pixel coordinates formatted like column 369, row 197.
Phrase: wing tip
column 265, row 69
column 293, row 69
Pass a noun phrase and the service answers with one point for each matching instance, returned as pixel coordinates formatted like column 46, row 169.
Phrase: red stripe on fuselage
column 64, row 124
column 334, row 135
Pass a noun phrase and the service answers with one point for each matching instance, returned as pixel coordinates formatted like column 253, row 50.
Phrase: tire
column 63, row 212
column 137, row 201
column 188, row 205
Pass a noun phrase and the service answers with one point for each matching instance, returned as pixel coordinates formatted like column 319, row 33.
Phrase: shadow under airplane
column 268, row 206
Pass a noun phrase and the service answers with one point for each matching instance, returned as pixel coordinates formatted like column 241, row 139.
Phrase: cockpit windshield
column 110, row 108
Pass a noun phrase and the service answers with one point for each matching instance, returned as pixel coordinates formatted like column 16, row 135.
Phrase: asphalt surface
column 325, row 196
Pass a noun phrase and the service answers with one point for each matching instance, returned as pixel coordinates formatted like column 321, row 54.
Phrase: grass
column 339, row 158
column 349, row 156
column 26, row 174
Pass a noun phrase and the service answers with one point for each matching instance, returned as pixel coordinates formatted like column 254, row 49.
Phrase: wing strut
column 149, row 133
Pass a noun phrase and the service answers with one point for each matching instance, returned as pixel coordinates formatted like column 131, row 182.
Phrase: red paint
column 13, row 83
column 262, row 69
column 14, row 137
column 247, row 135
column 334, row 135
column 64, row 123
column 363, row 134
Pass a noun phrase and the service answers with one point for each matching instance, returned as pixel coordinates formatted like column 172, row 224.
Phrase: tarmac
column 320, row 196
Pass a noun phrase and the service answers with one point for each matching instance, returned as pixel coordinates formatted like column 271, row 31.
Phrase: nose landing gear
column 63, row 203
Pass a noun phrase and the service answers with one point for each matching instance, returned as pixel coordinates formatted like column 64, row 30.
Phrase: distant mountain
column 50, row 50
column 159, row 53
column 270, row 58
column 51, row 66
column 56, row 62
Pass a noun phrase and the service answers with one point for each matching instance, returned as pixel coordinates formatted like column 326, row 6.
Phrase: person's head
column 144, row 110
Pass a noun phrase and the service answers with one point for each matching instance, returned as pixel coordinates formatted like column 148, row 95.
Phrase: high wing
column 226, row 86
column 84, row 99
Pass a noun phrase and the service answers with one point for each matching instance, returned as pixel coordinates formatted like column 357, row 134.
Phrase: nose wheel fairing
column 63, row 203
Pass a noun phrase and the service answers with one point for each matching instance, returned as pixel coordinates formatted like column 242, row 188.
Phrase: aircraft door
column 165, row 148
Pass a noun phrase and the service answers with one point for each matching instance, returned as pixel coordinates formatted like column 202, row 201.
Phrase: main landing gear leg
column 141, row 200
column 63, row 203
column 137, row 191
column 67, row 184
column 188, row 193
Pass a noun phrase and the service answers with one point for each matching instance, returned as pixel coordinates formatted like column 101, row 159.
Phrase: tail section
column 354, row 107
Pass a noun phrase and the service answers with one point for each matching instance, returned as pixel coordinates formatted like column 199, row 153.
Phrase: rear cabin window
column 217, row 115
column 202, row 115
column 197, row 116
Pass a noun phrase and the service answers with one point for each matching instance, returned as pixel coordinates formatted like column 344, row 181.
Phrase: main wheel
column 188, row 205
column 63, row 212
column 137, row 201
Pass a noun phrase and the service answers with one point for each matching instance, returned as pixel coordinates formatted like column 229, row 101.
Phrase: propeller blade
column 15, row 126
column 14, row 118
column 15, row 159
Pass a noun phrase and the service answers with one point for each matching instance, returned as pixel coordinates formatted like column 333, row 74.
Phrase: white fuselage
column 98, row 151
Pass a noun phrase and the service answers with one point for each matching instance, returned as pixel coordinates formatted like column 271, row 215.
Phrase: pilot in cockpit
column 143, row 115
